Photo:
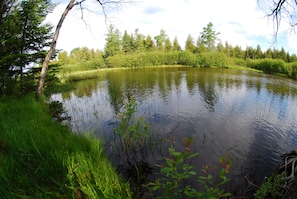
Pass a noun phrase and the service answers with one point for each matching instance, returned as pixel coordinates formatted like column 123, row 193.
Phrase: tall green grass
column 40, row 158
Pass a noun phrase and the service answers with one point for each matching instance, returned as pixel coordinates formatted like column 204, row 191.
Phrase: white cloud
column 239, row 22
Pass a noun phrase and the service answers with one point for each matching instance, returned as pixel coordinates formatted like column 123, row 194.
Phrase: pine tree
column 190, row 46
column 24, row 37
column 168, row 45
column 200, row 46
column 149, row 44
column 126, row 43
column 176, row 45
column 113, row 42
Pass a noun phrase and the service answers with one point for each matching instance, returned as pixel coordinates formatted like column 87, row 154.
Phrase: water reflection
column 250, row 115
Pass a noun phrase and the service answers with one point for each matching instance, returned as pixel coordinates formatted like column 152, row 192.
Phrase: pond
column 249, row 115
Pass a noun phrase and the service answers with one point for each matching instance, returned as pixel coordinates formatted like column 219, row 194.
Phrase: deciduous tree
column 280, row 11
column 209, row 36
column 160, row 39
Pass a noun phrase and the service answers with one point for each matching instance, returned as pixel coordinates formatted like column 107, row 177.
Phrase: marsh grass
column 40, row 158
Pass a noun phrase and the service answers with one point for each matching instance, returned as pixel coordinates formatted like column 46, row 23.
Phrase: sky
column 239, row 22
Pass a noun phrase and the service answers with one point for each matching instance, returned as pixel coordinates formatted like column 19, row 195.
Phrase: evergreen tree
column 200, row 46
column 139, row 41
column 237, row 52
column 250, row 53
column 168, row 45
column 176, row 45
column 190, row 46
column 259, row 53
column 24, row 38
column 126, row 43
column 283, row 55
column 113, row 42
column 268, row 53
column 149, row 44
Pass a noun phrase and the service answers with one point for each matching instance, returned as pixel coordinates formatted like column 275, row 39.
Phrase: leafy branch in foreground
column 176, row 170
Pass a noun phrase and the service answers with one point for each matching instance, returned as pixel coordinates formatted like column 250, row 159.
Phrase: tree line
column 126, row 44
column 139, row 50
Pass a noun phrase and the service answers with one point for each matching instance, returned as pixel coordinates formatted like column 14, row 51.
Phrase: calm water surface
column 251, row 116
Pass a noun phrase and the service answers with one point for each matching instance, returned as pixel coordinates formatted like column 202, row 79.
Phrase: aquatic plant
column 133, row 143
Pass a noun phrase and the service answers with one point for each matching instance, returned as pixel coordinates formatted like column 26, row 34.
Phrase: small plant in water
column 176, row 170
column 132, row 135
column 133, row 145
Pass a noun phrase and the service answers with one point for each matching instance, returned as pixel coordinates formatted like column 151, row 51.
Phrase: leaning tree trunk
column 52, row 48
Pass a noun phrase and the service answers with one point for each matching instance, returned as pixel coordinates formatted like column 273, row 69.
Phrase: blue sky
column 240, row 22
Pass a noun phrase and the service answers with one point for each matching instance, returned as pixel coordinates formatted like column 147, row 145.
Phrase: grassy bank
column 40, row 158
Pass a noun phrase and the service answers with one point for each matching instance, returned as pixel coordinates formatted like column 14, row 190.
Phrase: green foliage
column 176, row 170
column 23, row 37
column 271, row 66
column 209, row 36
column 271, row 187
column 132, row 135
column 40, row 158
column 160, row 40
column 156, row 58
column 80, row 59
column 132, row 145
column 213, row 58
column 113, row 41
column 187, row 58
column 238, row 62
column 190, row 46
column 293, row 70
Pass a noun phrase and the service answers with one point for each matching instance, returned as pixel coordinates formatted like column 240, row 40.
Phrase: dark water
column 251, row 116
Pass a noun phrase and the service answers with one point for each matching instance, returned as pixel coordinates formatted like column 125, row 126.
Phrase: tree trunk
column 52, row 48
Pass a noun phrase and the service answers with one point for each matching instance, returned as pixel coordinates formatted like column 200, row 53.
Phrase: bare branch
column 281, row 11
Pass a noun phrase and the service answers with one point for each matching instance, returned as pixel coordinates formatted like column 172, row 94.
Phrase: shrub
column 208, row 59
column 187, row 58
column 271, row 66
column 293, row 68
column 176, row 170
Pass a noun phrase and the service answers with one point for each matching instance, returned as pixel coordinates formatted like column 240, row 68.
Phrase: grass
column 40, row 158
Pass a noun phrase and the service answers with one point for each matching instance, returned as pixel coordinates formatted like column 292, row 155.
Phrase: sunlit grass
column 40, row 158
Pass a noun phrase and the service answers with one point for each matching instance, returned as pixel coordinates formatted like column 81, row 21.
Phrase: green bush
column 238, row 62
column 271, row 66
column 187, row 58
column 209, row 59
column 293, row 70
column 176, row 170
